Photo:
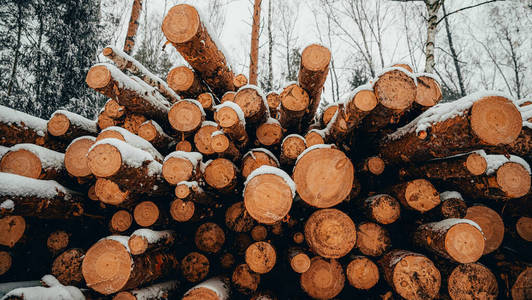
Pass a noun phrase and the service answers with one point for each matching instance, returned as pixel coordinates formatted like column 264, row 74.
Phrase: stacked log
column 232, row 193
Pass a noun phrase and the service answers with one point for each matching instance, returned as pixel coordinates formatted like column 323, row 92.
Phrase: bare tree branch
column 463, row 8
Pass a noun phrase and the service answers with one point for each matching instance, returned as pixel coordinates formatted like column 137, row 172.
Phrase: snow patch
column 495, row 161
column 430, row 75
column 271, row 120
column 235, row 107
column 153, row 236
column 263, row 150
column 209, row 123
column 19, row 186
column 450, row 195
column 386, row 70
column 448, row 223
column 7, row 205
column 55, row 291
column 155, row 291
column 49, row 159
column 314, row 147
column 10, row 116
column 275, row 171
column 364, row 87
column 291, row 136
column 85, row 137
column 217, row 132
column 136, row 141
column 215, row 284
column 131, row 156
column 79, row 121
column 194, row 157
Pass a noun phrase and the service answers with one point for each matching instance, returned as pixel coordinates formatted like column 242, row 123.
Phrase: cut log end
column 245, row 280
column 209, row 238
column 269, row 134
column 313, row 138
column 185, row 146
column 195, row 267
column 220, row 143
column 292, row 147
column 67, row 267
column 228, row 96
column 137, row 244
column 453, row 208
column 203, row 139
column 329, row 113
column 513, row 179
column 182, row 190
column 182, row 211
column 384, row 209
column 491, row 224
column 524, row 228
column 240, row 80
column 259, row 233
column 298, row 237
column 107, row 266
column 109, row 192
column 113, row 109
column 476, row 164
column 365, row 100
column 324, row 279
column 261, row 257
column 330, row 233
column 521, row 288
column 110, row 134
column 268, row 198
column 464, row 243
column 58, row 125
column 300, row 263
column 57, row 240
column 227, row 260
column 324, row 177
column 375, row 165
column 472, row 281
column 124, row 296
column 404, row 66
column 294, row 98
column 176, row 169
column 185, row 116
column 21, row 162
column 395, row 90
column 273, row 99
column 11, row 230
column 201, row 293
column 421, row 195
column 362, row 273
column 98, row 77
column 258, row 159
column 495, row 120
column 238, row 219
column 206, row 100
column 416, row 277
column 5, row 262
column 250, row 101
column 180, row 79
column 226, row 117
column 104, row 160
column 315, row 58
column 146, row 213
column 121, row 221
column 147, row 131
column 76, row 161
column 428, row 91
column 220, row 173
column 181, row 23
column 372, row 239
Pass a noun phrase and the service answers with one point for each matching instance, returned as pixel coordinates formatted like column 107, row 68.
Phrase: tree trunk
column 254, row 53
column 129, row 43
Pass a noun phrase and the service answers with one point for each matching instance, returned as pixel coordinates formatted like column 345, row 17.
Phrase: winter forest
column 46, row 50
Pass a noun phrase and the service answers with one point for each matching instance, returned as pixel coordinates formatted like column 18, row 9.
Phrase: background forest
column 47, row 47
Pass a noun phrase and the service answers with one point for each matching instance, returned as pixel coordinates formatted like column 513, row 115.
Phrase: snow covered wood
column 153, row 133
column 143, row 240
column 67, row 125
column 130, row 138
column 181, row 166
column 76, row 162
column 216, row 288
column 34, row 161
column 186, row 82
column 163, row 290
column 186, row 116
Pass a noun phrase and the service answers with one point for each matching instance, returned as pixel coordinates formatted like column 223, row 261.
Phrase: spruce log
column 159, row 291
column 130, row 138
column 299, row 260
column 181, row 166
column 144, row 240
column 269, row 134
column 324, row 176
column 209, row 237
column 231, row 119
column 67, row 125
column 460, row 240
column 12, row 229
column 411, row 275
column 221, row 174
column 67, row 267
column 76, row 162
column 195, row 267
column 216, row 288
column 125, row 62
column 153, row 133
column 149, row 214
column 185, row 82
column 105, row 121
column 34, row 161
column 261, row 257
column 238, row 219
column 382, row 208
column 245, row 280
column 294, row 103
column 133, row 26
column 184, row 28
column 362, row 273
column 223, row 146
column 37, row 198
column 521, row 288
column 372, row 239
column 255, row 158
column 108, row 266
column 253, row 103
column 491, row 224
column 130, row 92
column 268, row 194
column 472, row 281
column 330, row 233
column 419, row 195
column 313, row 72
column 472, row 122
column 324, row 279
column 207, row 102
column 114, row 110
column 203, row 137
column 120, row 221
column 291, row 147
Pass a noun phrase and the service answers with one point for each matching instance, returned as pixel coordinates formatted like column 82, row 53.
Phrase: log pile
column 210, row 188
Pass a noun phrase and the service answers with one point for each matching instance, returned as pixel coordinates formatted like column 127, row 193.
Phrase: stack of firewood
column 205, row 187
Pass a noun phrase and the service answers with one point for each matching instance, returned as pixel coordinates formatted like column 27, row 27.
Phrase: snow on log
column 153, row 133
column 187, row 30
column 143, row 240
column 481, row 120
column 38, row 198
column 231, row 119
column 125, row 62
column 34, row 161
column 51, row 291
column 181, row 166
column 76, row 161
column 330, row 233
column 163, row 290
column 134, row 140
column 186, row 116
column 109, row 267
column 294, row 103
column 184, row 81
column 216, row 288
column 255, row 158
column 69, row 126
column 131, row 92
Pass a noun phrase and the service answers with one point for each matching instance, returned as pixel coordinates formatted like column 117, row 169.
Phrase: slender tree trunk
column 254, row 55
column 270, row 46
column 129, row 44
column 17, row 48
column 516, row 65
column 454, row 54
column 432, row 23
column 39, row 55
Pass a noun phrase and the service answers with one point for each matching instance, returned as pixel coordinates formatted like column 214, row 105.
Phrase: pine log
column 12, row 229
column 136, row 10
column 245, row 280
column 67, row 267
column 114, row 110
column 491, row 224
column 259, row 233
column 291, row 147
column 195, row 267
column 330, row 233
column 181, row 166
column 475, row 121
column 184, row 28
column 76, row 162
column 362, row 273
column 57, row 241
column 34, row 161
column 328, row 112
column 240, row 80
column 460, row 240
column 189, row 211
column 472, row 281
column 153, row 133
column 130, row 92
column 294, row 103
column 269, row 134
column 132, row 122
column 238, row 219
column 324, row 279
column 253, row 103
column 274, row 101
column 457, row 166
column 207, row 102
column 159, row 291
column 324, row 176
column 419, row 195
column 203, row 137
column 313, row 72
column 120, row 221
column 216, row 288
column 299, row 260
column 105, row 121
column 230, row 118
column 221, row 174
column 67, row 125
column 261, row 257
column 523, row 227
column 37, row 198
column 144, row 240
column 223, row 146
column 209, row 237
column 130, row 138
column 149, row 214
column 108, row 266
column 127, row 166
column 255, row 158
column 228, row 96
column 184, row 146
column 372, row 239
column 361, row 104
column 268, row 194
column 125, row 62
column 185, row 82
column 428, row 91
column 411, row 275
column 382, row 208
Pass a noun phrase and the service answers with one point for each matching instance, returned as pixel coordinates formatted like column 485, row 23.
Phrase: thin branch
column 464, row 8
